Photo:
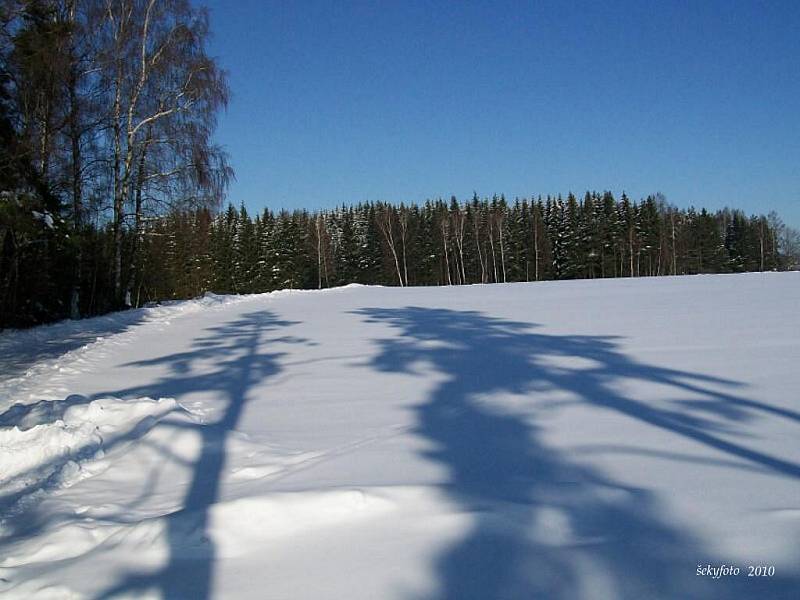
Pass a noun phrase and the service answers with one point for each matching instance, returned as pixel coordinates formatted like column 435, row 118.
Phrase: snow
column 579, row 439
column 45, row 218
column 82, row 431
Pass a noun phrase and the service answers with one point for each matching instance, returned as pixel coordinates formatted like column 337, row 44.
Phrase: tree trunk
column 446, row 251
column 117, row 185
column 319, row 253
column 491, row 245
column 138, row 234
column 77, row 191
column 478, row 245
column 502, row 250
column 630, row 249
column 536, row 246
column 674, row 247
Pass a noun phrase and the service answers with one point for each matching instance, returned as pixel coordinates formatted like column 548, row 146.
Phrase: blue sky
column 343, row 101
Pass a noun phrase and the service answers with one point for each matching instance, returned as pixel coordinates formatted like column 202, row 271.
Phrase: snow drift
column 31, row 453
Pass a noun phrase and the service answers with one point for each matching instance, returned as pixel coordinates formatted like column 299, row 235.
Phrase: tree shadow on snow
column 227, row 361
column 20, row 348
column 43, row 412
column 544, row 525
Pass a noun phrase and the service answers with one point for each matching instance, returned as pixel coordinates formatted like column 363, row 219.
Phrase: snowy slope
column 584, row 439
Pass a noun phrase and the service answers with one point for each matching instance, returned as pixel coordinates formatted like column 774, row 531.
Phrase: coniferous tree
column 186, row 253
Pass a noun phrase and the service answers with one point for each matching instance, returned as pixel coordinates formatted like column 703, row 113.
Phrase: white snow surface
column 580, row 439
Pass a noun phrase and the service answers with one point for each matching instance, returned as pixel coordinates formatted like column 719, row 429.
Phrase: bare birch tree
column 385, row 218
column 165, row 92
column 403, row 218
column 459, row 221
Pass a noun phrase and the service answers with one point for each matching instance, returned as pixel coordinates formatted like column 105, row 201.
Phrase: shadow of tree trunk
column 236, row 350
column 544, row 525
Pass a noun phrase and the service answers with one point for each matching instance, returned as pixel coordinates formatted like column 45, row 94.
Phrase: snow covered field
column 580, row 439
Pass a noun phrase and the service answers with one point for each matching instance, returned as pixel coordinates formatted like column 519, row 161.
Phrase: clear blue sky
column 340, row 101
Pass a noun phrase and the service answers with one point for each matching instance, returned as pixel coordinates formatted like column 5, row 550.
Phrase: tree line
column 187, row 253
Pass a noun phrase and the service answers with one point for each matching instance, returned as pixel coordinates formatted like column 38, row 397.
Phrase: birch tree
column 165, row 92
column 385, row 218
column 459, row 220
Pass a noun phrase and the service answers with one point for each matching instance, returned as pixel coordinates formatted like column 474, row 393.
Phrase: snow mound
column 33, row 454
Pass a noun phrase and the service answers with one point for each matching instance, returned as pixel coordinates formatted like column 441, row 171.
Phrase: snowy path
column 595, row 439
